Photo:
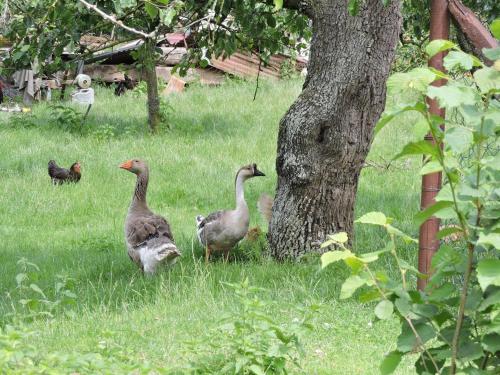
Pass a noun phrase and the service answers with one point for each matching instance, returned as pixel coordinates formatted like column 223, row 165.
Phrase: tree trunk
column 326, row 134
column 152, row 86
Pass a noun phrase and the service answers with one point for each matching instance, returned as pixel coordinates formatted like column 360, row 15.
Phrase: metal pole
column 431, row 183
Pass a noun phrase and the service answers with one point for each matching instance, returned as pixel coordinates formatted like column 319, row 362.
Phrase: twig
column 258, row 76
column 119, row 23
column 470, row 257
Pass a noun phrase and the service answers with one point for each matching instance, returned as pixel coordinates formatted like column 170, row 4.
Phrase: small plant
column 67, row 118
column 139, row 90
column 454, row 324
column 249, row 340
column 29, row 301
column 104, row 132
column 166, row 111
column 22, row 121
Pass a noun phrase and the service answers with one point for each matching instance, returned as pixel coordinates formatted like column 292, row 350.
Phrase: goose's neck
column 240, row 193
column 141, row 187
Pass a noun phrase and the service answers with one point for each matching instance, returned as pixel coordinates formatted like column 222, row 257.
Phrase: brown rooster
column 61, row 175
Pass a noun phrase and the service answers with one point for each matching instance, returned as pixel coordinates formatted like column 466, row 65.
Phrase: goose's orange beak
column 126, row 165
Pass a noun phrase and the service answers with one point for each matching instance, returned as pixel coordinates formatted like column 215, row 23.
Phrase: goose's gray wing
column 210, row 227
column 146, row 230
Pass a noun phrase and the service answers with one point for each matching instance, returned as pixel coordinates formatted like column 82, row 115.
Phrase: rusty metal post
column 431, row 183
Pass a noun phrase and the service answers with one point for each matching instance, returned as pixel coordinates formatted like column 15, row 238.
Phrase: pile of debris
column 110, row 62
column 114, row 64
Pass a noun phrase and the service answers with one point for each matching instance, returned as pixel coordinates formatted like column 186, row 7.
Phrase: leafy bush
column 249, row 340
column 67, row 118
column 29, row 301
column 454, row 324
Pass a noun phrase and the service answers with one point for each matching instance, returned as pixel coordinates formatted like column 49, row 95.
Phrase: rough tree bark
column 152, row 85
column 326, row 134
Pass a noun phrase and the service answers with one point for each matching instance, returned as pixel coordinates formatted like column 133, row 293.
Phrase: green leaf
column 407, row 266
column 488, row 273
column 452, row 96
column 447, row 231
column 487, row 79
column 390, row 362
column 167, row 16
column 395, row 231
column 340, row 237
column 458, row 138
column 354, row 263
column 422, row 216
column 403, row 306
column 458, row 60
column 416, row 79
column 442, row 293
column 425, row 310
column 418, row 148
column 20, row 278
column 492, row 298
column 420, row 129
column 369, row 295
column 407, row 341
column 334, row 256
column 151, row 10
column 375, row 218
column 431, row 167
column 278, row 4
column 446, row 256
column 257, row 370
column 492, row 53
column 384, row 309
column 492, row 239
column 388, row 116
column 372, row 256
column 495, row 28
column 37, row 289
column 491, row 342
column 351, row 284
column 353, row 7
column 470, row 351
column 438, row 45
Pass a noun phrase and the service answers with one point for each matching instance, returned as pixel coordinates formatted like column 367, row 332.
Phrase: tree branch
column 119, row 23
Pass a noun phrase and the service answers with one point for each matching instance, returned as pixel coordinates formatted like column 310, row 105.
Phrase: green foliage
column 250, row 340
column 29, row 301
column 42, row 29
column 453, row 325
column 67, row 118
column 18, row 356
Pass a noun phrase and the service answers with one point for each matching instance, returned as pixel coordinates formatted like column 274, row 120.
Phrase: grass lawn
column 77, row 230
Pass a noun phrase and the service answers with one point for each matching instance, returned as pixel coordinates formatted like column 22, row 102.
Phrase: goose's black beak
column 256, row 172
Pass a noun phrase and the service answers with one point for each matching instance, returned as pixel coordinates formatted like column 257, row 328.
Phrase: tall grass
column 77, row 230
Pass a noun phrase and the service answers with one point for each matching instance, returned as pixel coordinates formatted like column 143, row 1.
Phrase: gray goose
column 148, row 236
column 222, row 230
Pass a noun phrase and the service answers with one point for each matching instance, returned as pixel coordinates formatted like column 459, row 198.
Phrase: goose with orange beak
column 148, row 236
